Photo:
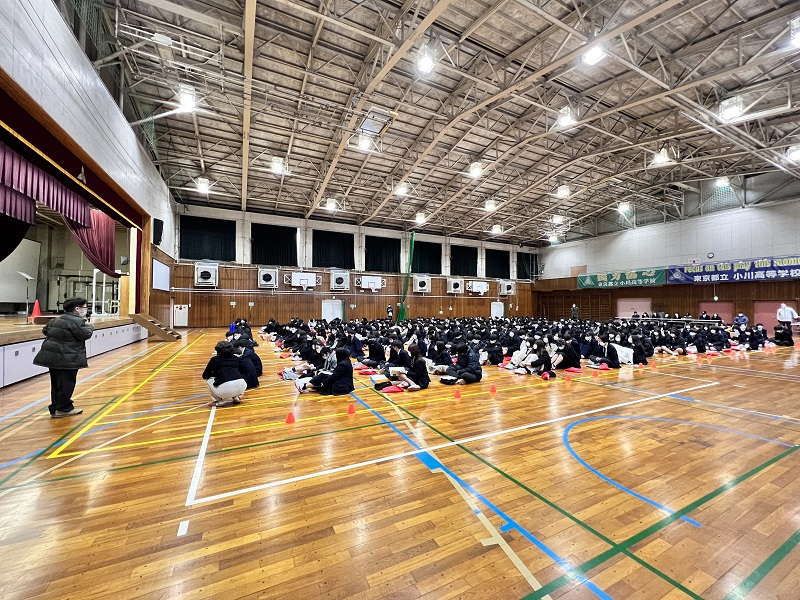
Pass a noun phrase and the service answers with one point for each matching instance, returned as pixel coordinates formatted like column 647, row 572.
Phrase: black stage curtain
column 13, row 232
column 498, row 263
column 527, row 265
column 464, row 261
column 333, row 249
column 427, row 258
column 273, row 245
column 207, row 239
column 382, row 254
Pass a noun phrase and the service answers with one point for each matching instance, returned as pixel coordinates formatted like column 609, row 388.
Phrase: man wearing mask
column 785, row 315
column 64, row 352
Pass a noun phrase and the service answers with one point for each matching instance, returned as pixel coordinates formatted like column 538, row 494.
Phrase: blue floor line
column 510, row 524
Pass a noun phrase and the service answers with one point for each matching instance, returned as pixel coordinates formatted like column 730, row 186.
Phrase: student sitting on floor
column 783, row 336
column 588, row 345
column 376, row 354
column 416, row 378
column 467, row 368
column 639, row 353
column 565, row 356
column 538, row 363
column 606, row 354
column 223, row 376
column 440, row 361
column 337, row 383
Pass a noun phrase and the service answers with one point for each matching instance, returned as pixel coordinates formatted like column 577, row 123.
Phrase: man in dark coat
column 64, row 352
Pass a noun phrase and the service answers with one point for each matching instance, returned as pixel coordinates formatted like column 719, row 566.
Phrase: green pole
column 401, row 314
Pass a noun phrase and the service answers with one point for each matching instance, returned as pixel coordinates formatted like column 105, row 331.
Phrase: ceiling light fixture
column 401, row 189
column 420, row 218
column 202, row 184
column 475, row 169
column 187, row 97
column 497, row 228
column 624, row 207
column 723, row 182
column 330, row 204
column 731, row 108
column 793, row 153
column 557, row 219
column 562, row 191
column 593, row 55
column 553, row 238
column 662, row 157
column 425, row 61
column 364, row 141
column 278, row 166
column 794, row 28
column 490, row 205
column 566, row 117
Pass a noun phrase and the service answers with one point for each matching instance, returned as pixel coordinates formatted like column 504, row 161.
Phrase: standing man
column 576, row 312
column 786, row 314
column 64, row 352
column 389, row 312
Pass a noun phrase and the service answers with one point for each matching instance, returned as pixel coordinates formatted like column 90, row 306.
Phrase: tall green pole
column 401, row 314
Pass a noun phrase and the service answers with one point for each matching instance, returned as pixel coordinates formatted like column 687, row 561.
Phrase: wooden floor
column 681, row 481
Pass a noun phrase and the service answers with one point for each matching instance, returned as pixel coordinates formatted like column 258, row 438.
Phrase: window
column 464, row 261
column 207, row 239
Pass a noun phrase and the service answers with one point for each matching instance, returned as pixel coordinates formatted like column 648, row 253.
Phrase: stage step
column 156, row 327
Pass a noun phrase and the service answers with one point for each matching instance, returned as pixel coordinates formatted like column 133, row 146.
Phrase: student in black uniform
column 338, row 383
column 639, row 353
column 605, row 354
column 565, row 356
column 416, row 378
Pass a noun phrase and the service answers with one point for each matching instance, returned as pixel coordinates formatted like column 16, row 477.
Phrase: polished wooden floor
column 674, row 482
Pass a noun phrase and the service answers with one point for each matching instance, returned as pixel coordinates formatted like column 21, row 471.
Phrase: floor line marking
column 400, row 455
column 737, row 409
column 141, row 384
column 752, row 580
column 183, row 528
column 201, row 457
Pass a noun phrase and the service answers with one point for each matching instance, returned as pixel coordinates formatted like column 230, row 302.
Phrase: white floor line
column 787, row 376
column 475, row 438
column 201, row 457
column 82, row 454
column 183, row 528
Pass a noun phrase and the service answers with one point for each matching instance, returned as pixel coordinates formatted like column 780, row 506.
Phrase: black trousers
column 62, row 385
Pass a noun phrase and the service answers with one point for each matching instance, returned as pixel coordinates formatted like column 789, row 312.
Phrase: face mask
column 81, row 312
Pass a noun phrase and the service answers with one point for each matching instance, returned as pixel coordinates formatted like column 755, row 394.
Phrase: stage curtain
column 273, row 245
column 333, row 249
column 427, row 258
column 382, row 254
column 13, row 232
column 207, row 239
column 498, row 263
column 527, row 265
column 97, row 241
column 464, row 261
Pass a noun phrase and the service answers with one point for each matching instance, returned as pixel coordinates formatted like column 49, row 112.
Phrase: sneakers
column 60, row 414
column 413, row 387
column 521, row 371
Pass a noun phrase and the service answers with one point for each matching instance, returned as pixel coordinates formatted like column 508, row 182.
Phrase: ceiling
column 301, row 81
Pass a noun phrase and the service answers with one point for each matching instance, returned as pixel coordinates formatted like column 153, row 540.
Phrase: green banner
column 623, row 279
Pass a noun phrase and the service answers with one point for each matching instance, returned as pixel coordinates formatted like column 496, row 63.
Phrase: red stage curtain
column 97, row 241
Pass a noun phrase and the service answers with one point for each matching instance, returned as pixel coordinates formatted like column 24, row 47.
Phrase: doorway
column 627, row 306
column 332, row 309
column 723, row 309
column 766, row 312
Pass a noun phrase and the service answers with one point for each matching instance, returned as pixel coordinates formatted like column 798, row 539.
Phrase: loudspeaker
column 158, row 231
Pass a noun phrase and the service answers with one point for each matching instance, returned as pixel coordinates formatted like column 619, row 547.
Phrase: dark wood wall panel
column 666, row 298
column 211, row 308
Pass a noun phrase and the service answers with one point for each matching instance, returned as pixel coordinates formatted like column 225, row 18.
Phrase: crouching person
column 223, row 376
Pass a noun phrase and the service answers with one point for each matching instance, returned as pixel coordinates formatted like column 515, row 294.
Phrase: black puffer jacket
column 65, row 346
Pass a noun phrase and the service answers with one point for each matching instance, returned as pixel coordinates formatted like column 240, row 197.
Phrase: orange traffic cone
column 457, row 395
column 37, row 311
column 699, row 361
column 641, row 366
column 709, row 360
column 290, row 418
column 595, row 373
column 546, row 376
column 493, row 389
column 351, row 410
column 653, row 366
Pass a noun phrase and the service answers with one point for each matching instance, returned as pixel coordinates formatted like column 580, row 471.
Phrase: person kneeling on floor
column 223, row 376
column 337, row 383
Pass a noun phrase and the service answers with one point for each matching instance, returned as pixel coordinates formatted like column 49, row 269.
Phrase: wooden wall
column 556, row 297
column 238, row 283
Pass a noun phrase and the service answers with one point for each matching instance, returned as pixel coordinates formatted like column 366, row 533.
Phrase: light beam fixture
column 593, row 55
column 722, row 182
column 401, row 189
column 490, row 205
column 731, row 108
column 662, row 157
column 187, row 97
column 624, row 207
column 330, row 204
column 420, row 219
column 794, row 28
column 425, row 61
column 364, row 141
column 793, row 153
column 278, row 166
column 497, row 229
column 475, row 169
column 562, row 191
column 566, row 117
column 552, row 238
column 202, row 184
column 557, row 219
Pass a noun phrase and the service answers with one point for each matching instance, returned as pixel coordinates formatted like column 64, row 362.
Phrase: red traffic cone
column 567, row 377
column 699, row 360
column 493, row 389
column 37, row 311
column 457, row 395
column 290, row 418
column 641, row 366
column 653, row 366
column 709, row 360
column 351, row 410
column 595, row 373
column 546, row 376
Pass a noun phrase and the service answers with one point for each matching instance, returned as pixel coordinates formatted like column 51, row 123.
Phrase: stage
column 13, row 332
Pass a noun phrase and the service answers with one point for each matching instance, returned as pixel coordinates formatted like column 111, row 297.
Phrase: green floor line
column 555, row 507
column 752, row 580
column 644, row 534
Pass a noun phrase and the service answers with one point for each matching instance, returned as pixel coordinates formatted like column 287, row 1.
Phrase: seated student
column 717, row 339
column 639, row 353
column 694, row 342
column 494, row 351
column 247, row 367
column 313, row 361
column 441, row 359
column 467, row 368
column 538, row 362
column 783, row 336
column 740, row 319
column 635, row 315
column 223, row 376
column 353, row 344
column 416, row 378
column 525, row 349
column 758, row 337
column 588, row 345
column 337, row 383
column 376, row 354
column 605, row 354
column 398, row 357
column 565, row 356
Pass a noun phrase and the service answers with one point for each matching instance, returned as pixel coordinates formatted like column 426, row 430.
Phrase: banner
column 759, row 269
column 622, row 279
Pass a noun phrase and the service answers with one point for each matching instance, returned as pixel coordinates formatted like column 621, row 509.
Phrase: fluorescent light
column 794, row 27
column 330, row 204
column 662, row 157
column 557, row 219
column 497, row 228
column 364, row 141
column 161, row 39
column 278, row 166
column 401, row 189
column 490, row 205
column 202, row 185
column 723, row 182
column 475, row 169
column 187, row 98
column 562, row 191
column 731, row 108
column 425, row 62
column 624, row 207
column 420, row 217
column 593, row 55
column 553, row 238
column 793, row 153
column 566, row 117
